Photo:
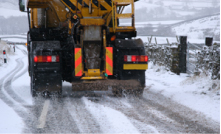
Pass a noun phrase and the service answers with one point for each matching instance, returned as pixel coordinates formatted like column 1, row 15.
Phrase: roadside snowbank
column 9, row 52
column 10, row 121
column 199, row 93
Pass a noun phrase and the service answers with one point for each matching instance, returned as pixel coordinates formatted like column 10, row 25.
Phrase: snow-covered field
column 10, row 12
column 208, row 26
column 152, row 23
column 175, row 3
column 192, row 4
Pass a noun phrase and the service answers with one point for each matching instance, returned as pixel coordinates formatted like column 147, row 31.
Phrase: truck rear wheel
column 32, row 87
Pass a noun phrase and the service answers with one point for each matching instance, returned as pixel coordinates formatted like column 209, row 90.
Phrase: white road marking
column 42, row 119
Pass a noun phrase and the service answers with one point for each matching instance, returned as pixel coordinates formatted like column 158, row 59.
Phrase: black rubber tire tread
column 32, row 87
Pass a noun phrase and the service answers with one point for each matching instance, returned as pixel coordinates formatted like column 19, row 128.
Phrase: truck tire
column 32, row 87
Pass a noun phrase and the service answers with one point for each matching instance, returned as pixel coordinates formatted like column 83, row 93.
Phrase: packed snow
column 110, row 120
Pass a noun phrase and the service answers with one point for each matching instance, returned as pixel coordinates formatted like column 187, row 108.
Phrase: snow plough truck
column 84, row 42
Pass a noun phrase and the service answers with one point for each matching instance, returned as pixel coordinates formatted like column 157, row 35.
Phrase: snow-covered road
column 99, row 113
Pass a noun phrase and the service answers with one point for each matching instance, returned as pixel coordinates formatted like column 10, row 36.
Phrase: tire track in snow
column 136, row 112
column 7, row 80
column 191, row 120
column 110, row 120
column 21, row 112
column 13, row 77
column 58, row 119
column 84, row 119
column 62, row 116
column 8, row 84
column 13, row 71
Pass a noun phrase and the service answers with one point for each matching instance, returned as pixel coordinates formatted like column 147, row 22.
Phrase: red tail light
column 47, row 58
column 36, row 59
column 146, row 58
column 135, row 58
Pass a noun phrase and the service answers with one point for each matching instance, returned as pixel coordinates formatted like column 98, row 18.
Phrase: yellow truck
column 83, row 42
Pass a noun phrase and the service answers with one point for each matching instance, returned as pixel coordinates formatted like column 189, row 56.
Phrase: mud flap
column 45, row 76
column 129, row 47
column 48, row 82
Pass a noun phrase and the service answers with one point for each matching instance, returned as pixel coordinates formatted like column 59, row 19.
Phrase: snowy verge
column 7, row 125
column 199, row 93
column 10, row 55
column 21, row 85
column 14, row 124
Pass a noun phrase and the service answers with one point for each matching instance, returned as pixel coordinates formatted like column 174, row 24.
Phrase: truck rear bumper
column 135, row 66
